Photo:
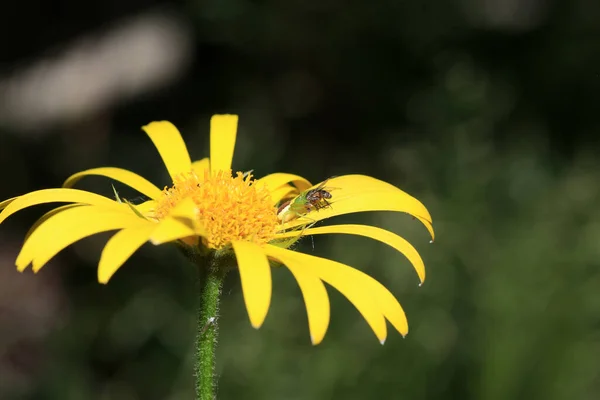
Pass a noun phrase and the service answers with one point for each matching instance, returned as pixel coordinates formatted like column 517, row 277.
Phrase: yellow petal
column 223, row 130
column 255, row 275
column 129, row 178
column 313, row 291
column 146, row 208
column 69, row 226
column 358, row 193
column 180, row 223
column 171, row 229
column 388, row 304
column 200, row 166
column 170, row 145
column 349, row 281
column 48, row 215
column 352, row 184
column 387, row 237
column 274, row 181
column 5, row 203
column 119, row 248
column 187, row 211
column 283, row 192
column 56, row 196
column 336, row 274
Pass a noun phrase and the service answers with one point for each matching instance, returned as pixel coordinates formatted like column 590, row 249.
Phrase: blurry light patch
column 30, row 310
column 506, row 15
column 96, row 72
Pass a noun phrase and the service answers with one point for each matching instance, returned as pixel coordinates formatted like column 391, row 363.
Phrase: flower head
column 208, row 207
column 228, row 208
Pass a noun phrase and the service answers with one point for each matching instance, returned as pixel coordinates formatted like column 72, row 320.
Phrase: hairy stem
column 207, row 331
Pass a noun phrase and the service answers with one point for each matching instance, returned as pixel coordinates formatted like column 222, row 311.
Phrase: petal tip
column 21, row 267
column 256, row 325
column 382, row 341
column 315, row 341
column 35, row 266
column 156, row 123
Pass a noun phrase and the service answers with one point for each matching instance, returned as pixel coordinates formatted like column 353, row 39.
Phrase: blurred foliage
column 494, row 127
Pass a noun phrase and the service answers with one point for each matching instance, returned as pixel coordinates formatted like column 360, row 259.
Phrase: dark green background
column 486, row 111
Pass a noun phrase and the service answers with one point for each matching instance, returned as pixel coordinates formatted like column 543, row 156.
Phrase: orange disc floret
column 229, row 208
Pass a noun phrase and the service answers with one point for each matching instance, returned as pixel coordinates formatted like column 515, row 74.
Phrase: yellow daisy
column 210, row 210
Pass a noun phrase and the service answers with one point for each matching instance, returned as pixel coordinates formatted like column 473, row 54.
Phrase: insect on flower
column 209, row 209
column 305, row 202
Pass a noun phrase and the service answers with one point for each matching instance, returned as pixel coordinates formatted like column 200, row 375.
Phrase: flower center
column 229, row 208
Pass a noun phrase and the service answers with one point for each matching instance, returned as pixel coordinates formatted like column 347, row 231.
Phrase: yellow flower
column 209, row 208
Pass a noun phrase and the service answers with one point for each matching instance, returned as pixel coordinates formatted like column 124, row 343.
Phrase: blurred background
column 485, row 110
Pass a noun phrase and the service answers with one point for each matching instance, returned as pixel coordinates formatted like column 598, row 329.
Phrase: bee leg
column 322, row 204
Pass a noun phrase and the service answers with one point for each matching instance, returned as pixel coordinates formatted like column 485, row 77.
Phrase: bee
column 318, row 197
column 305, row 202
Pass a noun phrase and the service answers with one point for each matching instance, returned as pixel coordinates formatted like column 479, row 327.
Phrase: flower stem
column 206, row 335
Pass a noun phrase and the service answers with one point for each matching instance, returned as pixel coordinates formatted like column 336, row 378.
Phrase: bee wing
column 321, row 185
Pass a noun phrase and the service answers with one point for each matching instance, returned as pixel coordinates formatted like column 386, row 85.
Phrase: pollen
column 229, row 208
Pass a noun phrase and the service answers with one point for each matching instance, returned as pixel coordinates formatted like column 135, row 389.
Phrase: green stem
column 206, row 334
